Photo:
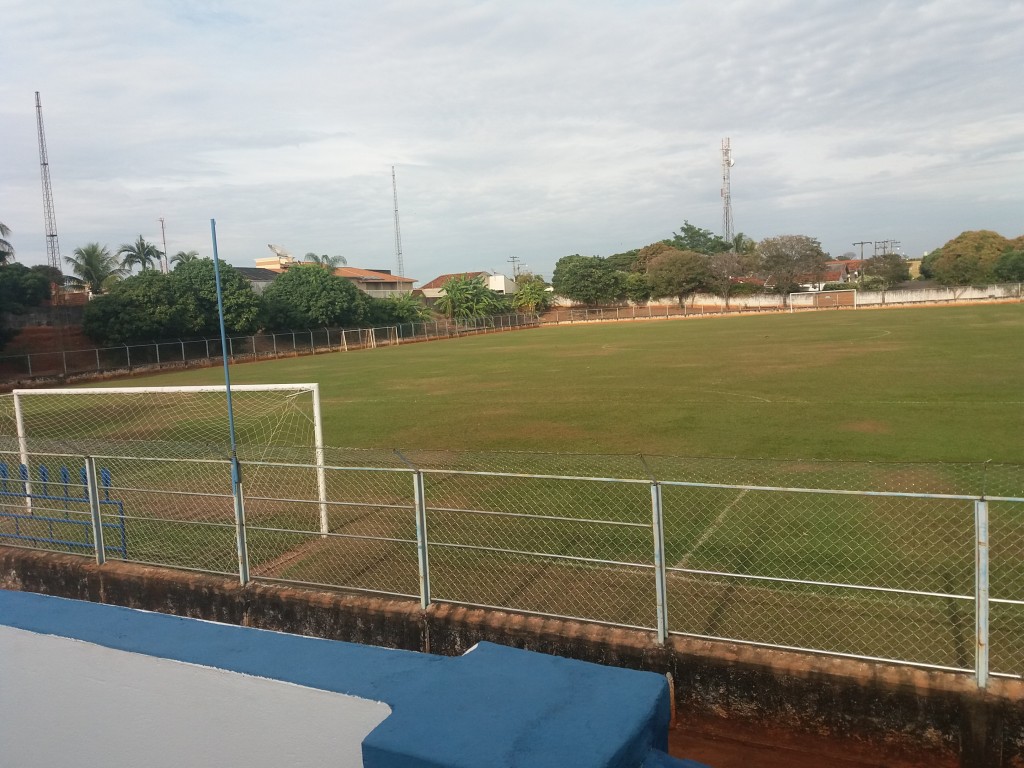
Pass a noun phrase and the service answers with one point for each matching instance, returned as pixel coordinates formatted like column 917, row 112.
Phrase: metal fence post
column 981, row 646
column 419, row 499
column 93, row 491
column 658, row 525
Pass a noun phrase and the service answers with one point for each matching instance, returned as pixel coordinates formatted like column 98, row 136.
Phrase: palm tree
column 184, row 257
column 6, row 249
column 145, row 255
column 325, row 261
column 94, row 267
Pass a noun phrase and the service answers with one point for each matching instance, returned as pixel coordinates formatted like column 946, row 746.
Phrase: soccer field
column 531, row 496
column 937, row 384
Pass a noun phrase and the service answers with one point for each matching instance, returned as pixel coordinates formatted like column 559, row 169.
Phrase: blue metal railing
column 28, row 524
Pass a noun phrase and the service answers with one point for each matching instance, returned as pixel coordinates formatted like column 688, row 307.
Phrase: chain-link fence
column 914, row 563
column 178, row 353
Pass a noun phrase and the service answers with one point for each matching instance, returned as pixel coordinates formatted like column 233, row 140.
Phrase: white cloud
column 535, row 128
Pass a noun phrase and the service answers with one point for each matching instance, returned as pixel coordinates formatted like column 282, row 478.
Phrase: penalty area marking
column 710, row 531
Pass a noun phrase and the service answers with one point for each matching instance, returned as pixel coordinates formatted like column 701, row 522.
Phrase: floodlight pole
column 236, row 471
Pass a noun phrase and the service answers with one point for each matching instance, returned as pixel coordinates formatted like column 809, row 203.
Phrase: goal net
column 823, row 300
column 170, row 439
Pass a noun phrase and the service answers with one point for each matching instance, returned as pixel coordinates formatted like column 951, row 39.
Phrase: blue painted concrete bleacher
column 494, row 706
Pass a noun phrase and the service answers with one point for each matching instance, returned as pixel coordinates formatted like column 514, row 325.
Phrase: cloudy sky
column 517, row 128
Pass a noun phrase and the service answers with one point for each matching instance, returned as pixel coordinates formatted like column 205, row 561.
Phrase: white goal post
column 823, row 299
column 268, row 418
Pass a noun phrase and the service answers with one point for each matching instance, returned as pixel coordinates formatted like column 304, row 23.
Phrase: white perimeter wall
column 67, row 702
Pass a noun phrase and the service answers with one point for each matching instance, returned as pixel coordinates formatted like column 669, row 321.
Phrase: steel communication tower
column 398, row 231
column 727, row 164
column 52, row 246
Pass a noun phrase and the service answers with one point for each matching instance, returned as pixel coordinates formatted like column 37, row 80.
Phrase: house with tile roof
column 379, row 283
column 500, row 284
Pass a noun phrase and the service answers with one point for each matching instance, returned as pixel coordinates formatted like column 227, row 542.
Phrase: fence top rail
column 838, row 492
column 168, row 390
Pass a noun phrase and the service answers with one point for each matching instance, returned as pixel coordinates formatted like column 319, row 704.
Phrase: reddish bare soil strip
column 724, row 743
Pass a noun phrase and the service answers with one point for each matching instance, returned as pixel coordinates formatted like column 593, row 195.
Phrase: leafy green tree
column 788, row 260
column 927, row 268
column 692, row 238
column 139, row 309
column 312, row 298
column 140, row 253
column 532, row 296
column 1010, row 267
column 648, row 253
column 94, row 267
column 325, row 261
column 195, row 288
column 184, row 257
column 891, row 268
column 22, row 288
column 969, row 258
column 466, row 297
column 742, row 244
column 625, row 262
column 588, row 279
column 6, row 249
column 638, row 288
column 679, row 274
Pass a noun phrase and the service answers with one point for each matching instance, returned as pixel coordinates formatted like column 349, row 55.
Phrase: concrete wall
column 905, row 709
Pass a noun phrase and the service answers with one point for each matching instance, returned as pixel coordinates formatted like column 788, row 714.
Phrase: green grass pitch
column 936, row 384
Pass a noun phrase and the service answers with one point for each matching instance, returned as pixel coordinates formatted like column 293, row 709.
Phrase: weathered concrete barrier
column 905, row 709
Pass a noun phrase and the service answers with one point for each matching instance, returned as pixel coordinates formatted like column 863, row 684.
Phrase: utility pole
column 727, row 164
column 514, row 261
column 862, row 243
column 398, row 231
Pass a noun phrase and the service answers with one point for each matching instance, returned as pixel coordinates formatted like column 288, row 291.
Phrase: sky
column 517, row 129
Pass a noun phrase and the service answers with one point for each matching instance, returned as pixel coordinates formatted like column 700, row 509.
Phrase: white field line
column 709, row 531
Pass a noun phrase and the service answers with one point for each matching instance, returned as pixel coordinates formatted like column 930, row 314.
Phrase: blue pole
column 236, row 471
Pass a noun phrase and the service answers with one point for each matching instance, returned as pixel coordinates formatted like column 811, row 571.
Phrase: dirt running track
column 722, row 743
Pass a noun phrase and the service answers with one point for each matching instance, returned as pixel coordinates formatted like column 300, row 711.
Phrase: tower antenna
column 398, row 230
column 727, row 164
column 52, row 246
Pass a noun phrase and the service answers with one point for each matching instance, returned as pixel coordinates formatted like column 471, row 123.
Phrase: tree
column 532, row 295
column 195, row 288
column 308, row 298
column 742, row 244
column 6, row 249
column 403, row 308
column 588, row 279
column 969, row 258
column 325, row 261
column 21, row 289
column 638, row 289
column 625, row 262
column 140, row 253
column 139, row 309
column 722, row 268
column 1010, row 267
column 94, row 267
column 691, row 238
column 678, row 274
column 788, row 260
column 466, row 297
column 891, row 268
column 648, row 253
column 184, row 257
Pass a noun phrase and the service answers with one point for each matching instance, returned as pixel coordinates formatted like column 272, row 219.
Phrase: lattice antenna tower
column 727, row 164
column 400, row 264
column 52, row 246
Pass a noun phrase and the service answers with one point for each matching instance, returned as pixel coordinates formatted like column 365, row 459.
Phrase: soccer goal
column 844, row 299
column 273, row 423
